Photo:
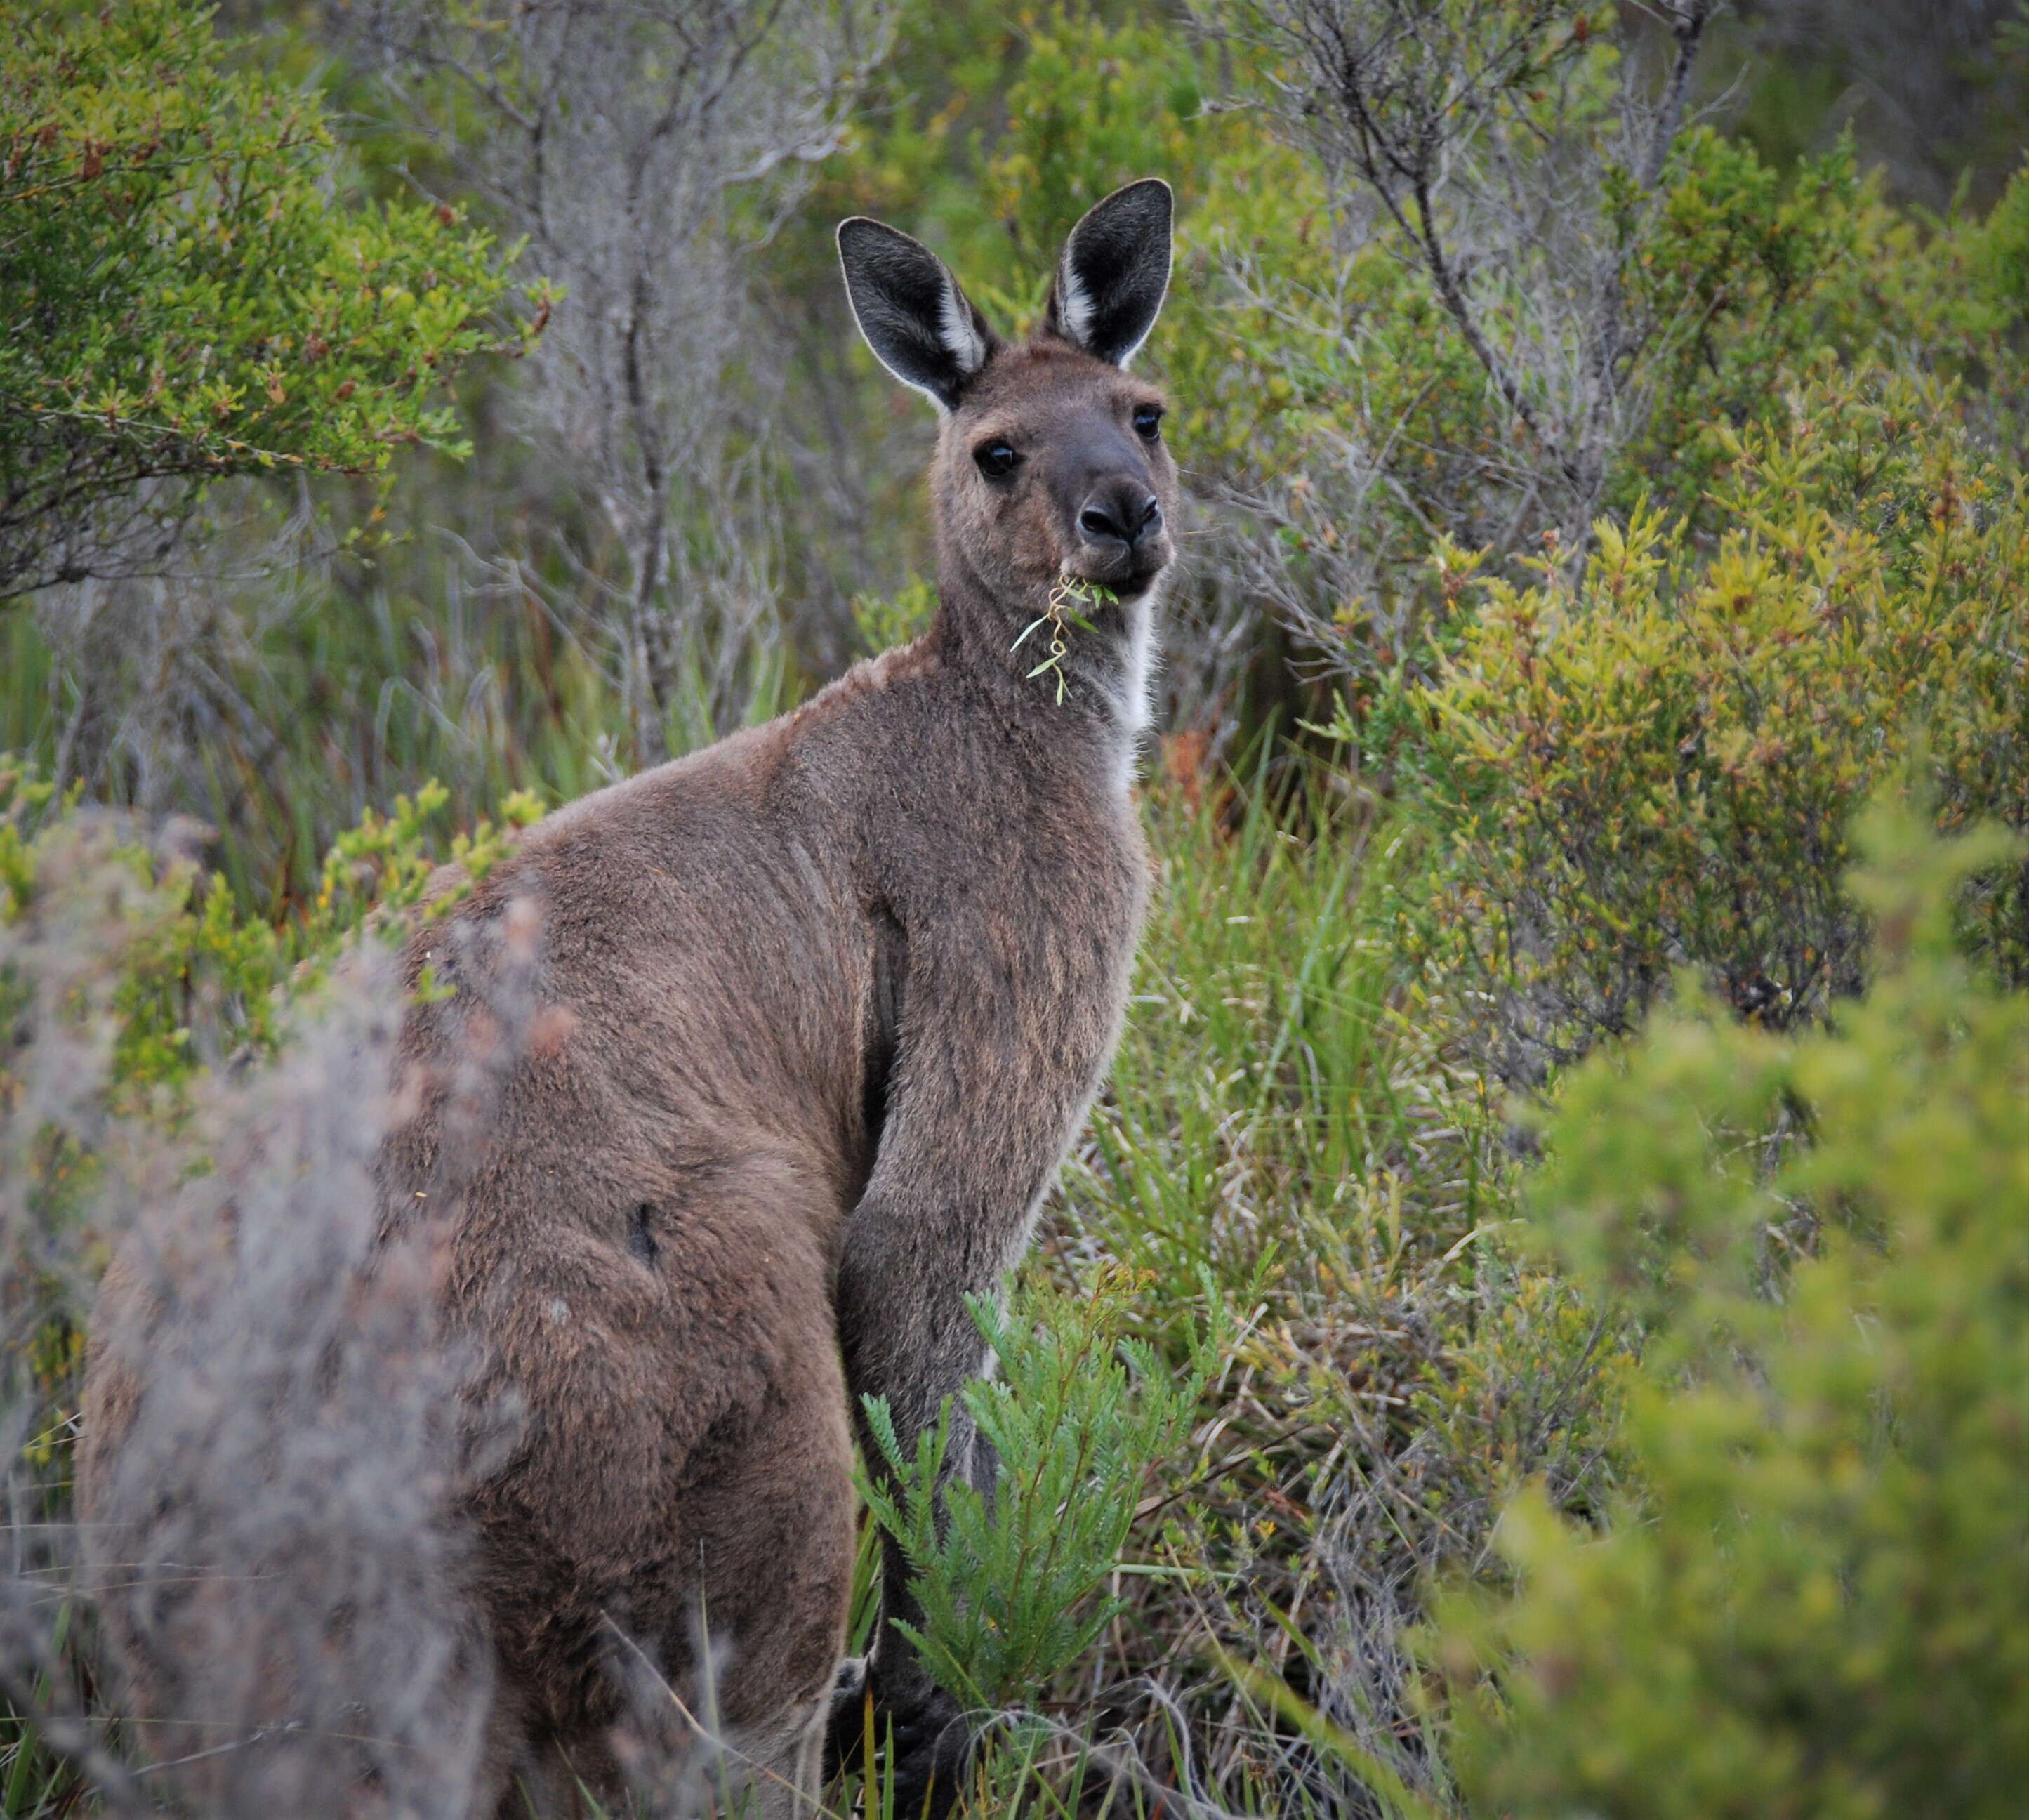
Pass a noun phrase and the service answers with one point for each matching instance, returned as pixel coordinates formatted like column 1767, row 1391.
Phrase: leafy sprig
column 1059, row 614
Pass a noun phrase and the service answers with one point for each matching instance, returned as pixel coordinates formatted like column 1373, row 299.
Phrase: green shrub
column 1767, row 278
column 886, row 620
column 2000, row 254
column 1816, row 1601
column 1658, row 766
column 184, row 300
column 1324, row 384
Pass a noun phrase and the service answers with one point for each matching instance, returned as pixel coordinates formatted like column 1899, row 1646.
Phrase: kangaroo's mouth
column 1128, row 580
column 1140, row 581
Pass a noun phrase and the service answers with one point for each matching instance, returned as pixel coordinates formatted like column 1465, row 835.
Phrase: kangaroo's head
column 1050, row 460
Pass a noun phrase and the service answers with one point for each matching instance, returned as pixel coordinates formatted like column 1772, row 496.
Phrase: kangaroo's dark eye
column 996, row 459
column 1149, row 421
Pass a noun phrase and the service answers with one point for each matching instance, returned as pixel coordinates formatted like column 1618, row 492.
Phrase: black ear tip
column 1150, row 199
column 862, row 234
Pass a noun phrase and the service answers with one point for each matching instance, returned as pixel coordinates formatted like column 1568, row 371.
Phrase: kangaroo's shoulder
column 900, row 676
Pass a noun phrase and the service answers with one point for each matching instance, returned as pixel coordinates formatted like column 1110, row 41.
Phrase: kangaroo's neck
column 1086, row 672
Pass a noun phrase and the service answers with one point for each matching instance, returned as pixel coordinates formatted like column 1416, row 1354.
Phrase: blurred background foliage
column 1605, row 427
column 1334, row 421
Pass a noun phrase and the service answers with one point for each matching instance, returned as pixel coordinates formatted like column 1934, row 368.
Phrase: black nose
column 1121, row 514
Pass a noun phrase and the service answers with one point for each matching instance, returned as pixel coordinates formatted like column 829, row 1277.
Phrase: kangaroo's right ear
column 1114, row 273
column 921, row 325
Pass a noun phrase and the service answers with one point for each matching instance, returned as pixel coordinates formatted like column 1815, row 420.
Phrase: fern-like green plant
column 1012, row 1588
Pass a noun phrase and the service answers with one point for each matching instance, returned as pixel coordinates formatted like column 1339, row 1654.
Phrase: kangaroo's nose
column 1121, row 514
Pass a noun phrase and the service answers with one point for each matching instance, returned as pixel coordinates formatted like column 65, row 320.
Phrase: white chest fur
column 1129, row 690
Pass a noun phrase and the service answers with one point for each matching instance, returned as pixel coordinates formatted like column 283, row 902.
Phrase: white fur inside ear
column 962, row 340
column 1074, row 301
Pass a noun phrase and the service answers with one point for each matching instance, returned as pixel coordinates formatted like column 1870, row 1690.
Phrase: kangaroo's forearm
column 905, row 1331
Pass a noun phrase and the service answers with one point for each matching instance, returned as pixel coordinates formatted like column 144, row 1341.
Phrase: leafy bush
column 1816, row 1601
column 2000, row 261
column 204, row 974
column 1629, row 282
column 1769, row 279
column 183, row 299
column 1658, row 765
column 1076, row 1412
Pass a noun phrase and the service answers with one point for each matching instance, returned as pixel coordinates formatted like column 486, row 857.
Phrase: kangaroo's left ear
column 1115, row 271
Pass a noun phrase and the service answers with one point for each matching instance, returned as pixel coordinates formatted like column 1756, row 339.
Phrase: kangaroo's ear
column 922, row 327
column 1111, row 282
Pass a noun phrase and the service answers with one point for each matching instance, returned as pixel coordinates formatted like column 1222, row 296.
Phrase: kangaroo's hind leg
column 776, row 1610
column 760, row 1514
column 777, row 1774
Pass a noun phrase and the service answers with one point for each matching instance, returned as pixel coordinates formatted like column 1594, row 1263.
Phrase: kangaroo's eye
column 996, row 459
column 1149, row 421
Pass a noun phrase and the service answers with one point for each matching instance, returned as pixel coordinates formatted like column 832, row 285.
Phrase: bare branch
column 1687, row 23
column 1505, row 153
column 637, row 145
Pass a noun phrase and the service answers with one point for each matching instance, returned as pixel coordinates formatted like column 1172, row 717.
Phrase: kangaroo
column 828, row 1002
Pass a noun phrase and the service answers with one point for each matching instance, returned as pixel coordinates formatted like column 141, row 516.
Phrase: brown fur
column 828, row 1002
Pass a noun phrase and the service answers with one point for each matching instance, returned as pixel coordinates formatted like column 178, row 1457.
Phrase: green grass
column 1279, row 1122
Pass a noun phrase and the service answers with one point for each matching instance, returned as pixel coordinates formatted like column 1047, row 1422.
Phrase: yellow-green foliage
column 1754, row 281
column 197, row 973
column 1998, row 256
column 1817, row 1603
column 1658, row 765
column 1333, row 387
column 1530, row 1387
column 886, row 620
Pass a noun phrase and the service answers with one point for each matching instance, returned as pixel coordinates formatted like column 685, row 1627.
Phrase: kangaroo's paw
column 921, row 1739
column 845, row 1730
